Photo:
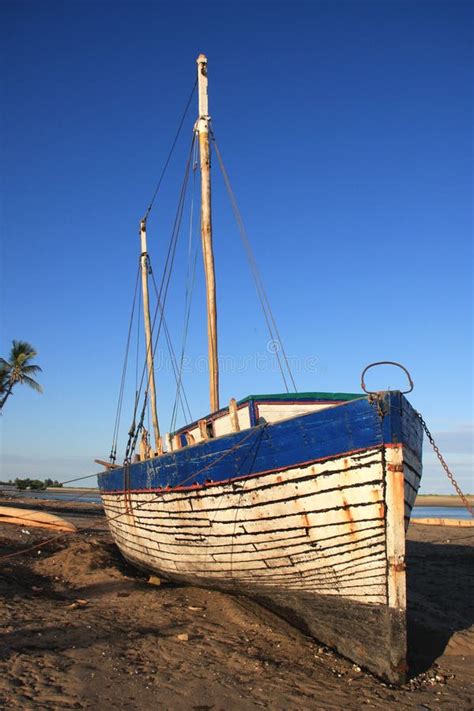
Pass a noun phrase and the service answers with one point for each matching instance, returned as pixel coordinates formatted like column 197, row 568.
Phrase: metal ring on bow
column 385, row 362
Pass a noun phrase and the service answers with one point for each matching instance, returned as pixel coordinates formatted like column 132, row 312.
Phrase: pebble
column 183, row 637
column 154, row 580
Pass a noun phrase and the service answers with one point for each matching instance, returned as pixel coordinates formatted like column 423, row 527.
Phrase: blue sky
column 346, row 130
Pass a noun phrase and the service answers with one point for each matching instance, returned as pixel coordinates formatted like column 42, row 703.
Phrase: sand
column 81, row 629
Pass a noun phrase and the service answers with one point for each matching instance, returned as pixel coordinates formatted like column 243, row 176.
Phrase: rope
column 113, row 449
column 164, row 285
column 190, row 279
column 174, row 362
column 171, row 151
column 137, row 354
column 135, row 431
column 262, row 295
column 444, row 465
column 137, row 506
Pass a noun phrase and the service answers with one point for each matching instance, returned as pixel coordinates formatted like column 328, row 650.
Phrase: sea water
column 86, row 497
column 440, row 512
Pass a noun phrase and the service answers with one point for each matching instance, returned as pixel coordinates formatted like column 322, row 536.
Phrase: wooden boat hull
column 34, row 519
column 307, row 515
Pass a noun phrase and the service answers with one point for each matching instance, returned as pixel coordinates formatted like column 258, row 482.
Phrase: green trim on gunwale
column 295, row 397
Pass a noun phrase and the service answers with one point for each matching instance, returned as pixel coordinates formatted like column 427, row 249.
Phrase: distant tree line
column 36, row 484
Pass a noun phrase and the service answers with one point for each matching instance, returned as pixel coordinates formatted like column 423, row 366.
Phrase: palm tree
column 3, row 379
column 18, row 369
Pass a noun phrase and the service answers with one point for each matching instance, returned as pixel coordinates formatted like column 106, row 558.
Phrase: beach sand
column 81, row 629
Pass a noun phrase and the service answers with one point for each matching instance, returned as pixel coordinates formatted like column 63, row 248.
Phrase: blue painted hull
column 352, row 427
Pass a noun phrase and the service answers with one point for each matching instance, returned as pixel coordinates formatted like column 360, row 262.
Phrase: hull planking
column 307, row 515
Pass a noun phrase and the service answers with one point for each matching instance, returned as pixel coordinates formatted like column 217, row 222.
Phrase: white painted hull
column 329, row 530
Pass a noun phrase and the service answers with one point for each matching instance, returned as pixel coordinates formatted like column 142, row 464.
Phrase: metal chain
column 445, row 466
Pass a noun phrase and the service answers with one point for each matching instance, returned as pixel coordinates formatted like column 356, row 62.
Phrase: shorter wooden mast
column 148, row 338
column 202, row 128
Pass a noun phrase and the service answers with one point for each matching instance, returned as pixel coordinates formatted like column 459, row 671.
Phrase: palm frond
column 4, row 381
column 21, row 350
column 32, row 384
column 4, row 365
column 31, row 369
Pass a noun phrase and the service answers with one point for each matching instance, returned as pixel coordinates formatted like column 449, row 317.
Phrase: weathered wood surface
column 202, row 127
column 234, row 415
column 238, row 417
column 144, row 267
column 321, row 541
column 301, row 528
column 318, row 543
column 35, row 519
column 104, row 463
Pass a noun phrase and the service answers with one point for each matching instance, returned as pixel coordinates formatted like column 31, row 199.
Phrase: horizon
column 96, row 488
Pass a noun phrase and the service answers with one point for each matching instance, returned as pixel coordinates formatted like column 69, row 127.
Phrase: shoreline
column 422, row 500
column 442, row 500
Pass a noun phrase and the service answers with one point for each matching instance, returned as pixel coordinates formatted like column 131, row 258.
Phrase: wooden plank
column 395, row 544
column 107, row 465
column 234, row 415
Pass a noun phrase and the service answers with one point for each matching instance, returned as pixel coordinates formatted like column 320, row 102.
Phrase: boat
column 34, row 519
column 299, row 500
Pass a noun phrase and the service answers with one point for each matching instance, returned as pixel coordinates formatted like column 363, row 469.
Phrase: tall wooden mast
column 202, row 128
column 148, row 340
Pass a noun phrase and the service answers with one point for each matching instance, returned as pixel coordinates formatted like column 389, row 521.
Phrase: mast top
column 203, row 119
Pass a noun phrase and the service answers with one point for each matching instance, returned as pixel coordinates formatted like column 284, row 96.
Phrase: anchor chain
column 444, row 465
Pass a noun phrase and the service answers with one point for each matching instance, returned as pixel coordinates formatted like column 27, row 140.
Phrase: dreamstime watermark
column 271, row 360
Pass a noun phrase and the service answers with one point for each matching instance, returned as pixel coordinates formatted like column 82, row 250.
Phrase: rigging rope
column 137, row 355
column 171, row 151
column 113, row 450
column 190, row 278
column 262, row 295
column 161, row 302
column 174, row 362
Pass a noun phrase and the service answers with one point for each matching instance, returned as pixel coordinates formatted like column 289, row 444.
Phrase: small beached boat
column 298, row 500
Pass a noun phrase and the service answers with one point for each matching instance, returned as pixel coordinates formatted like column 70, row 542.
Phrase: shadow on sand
column 440, row 602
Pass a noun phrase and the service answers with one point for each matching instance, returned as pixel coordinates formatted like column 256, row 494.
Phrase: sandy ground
column 80, row 629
